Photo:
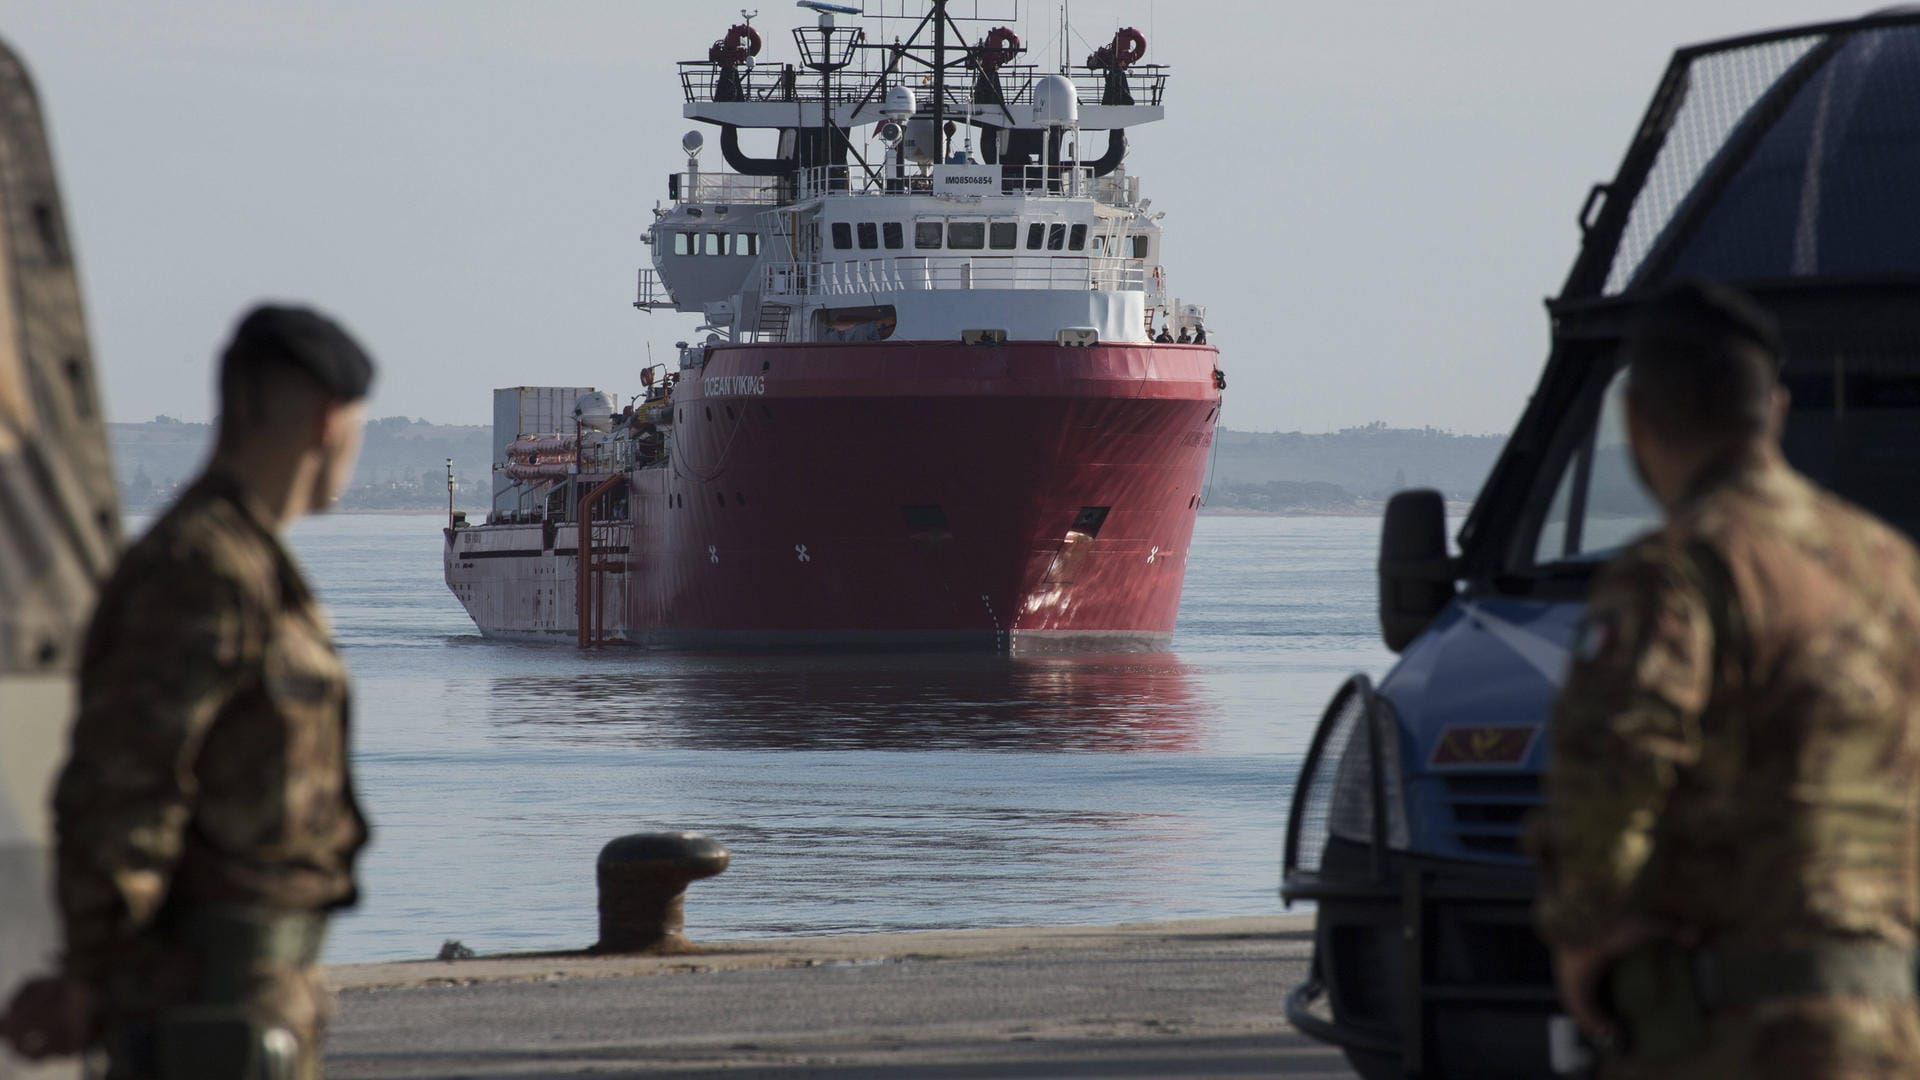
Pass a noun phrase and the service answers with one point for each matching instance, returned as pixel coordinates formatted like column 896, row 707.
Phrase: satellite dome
column 900, row 103
column 691, row 142
column 1054, row 102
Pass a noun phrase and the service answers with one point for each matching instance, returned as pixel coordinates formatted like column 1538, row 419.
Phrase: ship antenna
column 1063, row 37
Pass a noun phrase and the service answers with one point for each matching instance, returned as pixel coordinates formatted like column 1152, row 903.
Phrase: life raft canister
column 740, row 43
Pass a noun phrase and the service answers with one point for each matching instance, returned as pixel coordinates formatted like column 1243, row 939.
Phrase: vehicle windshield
column 1599, row 503
column 1853, row 427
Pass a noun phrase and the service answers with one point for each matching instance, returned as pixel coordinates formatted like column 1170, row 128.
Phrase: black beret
column 304, row 339
column 1705, row 313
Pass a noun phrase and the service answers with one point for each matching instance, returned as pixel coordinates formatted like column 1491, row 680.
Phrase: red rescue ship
column 944, row 396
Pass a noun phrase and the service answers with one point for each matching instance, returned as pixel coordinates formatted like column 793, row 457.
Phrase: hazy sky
column 1371, row 199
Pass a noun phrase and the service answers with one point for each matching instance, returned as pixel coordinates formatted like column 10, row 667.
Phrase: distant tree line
column 1346, row 471
column 402, row 466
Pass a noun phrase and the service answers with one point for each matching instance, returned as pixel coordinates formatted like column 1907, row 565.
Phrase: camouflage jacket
column 209, row 758
column 1736, row 751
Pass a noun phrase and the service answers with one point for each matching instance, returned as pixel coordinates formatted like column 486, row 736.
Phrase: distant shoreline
column 1373, row 510
column 1456, row 509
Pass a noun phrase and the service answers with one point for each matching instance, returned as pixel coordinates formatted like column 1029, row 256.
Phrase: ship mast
column 940, row 80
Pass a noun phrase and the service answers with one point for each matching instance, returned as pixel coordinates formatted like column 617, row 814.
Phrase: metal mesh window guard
column 1783, row 158
column 1720, row 89
column 1340, row 745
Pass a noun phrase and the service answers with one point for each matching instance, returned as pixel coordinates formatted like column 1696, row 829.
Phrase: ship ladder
column 773, row 322
column 595, row 559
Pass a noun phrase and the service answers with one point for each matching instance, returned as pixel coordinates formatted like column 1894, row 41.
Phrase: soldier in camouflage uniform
column 1732, row 827
column 205, row 818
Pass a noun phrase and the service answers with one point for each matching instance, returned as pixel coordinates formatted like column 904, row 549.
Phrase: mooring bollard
column 643, row 882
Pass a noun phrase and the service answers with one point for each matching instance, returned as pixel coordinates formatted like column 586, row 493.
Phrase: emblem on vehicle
column 1483, row 744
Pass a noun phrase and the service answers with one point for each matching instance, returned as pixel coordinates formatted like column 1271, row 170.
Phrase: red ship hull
column 917, row 494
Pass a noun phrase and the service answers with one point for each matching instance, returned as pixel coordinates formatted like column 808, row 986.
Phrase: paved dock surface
column 1199, row 998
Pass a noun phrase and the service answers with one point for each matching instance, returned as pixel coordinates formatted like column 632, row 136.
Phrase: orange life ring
column 1126, row 48
column 1000, row 47
column 740, row 43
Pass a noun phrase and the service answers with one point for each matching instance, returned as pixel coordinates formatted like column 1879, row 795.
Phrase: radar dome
column 691, row 142
column 1054, row 102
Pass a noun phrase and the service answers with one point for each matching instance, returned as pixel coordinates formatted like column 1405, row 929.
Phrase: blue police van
column 1787, row 163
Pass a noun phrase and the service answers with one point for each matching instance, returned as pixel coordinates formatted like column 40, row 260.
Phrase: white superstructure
column 928, row 190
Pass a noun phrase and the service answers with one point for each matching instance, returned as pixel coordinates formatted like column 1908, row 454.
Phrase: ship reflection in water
column 906, row 702
column 857, row 793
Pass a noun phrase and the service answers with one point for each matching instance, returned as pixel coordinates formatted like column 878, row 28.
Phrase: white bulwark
column 966, row 180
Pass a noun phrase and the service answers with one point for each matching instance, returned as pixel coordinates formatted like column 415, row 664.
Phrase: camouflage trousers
column 263, row 1023
column 1804, row 1039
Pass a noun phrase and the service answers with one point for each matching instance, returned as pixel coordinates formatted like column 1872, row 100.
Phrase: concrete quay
column 1192, row 998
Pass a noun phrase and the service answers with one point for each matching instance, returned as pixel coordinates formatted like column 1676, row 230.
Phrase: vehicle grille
column 1490, row 811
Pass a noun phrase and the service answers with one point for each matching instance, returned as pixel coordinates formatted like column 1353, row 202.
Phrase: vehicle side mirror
column 1416, row 574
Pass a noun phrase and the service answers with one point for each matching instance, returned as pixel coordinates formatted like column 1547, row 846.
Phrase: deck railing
column 725, row 188
column 733, row 189
column 920, row 273
column 1060, row 181
column 701, row 80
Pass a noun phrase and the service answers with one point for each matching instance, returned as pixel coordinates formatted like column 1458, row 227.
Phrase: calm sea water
column 857, row 793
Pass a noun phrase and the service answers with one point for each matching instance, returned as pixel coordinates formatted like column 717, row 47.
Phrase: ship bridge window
column 682, row 243
column 1056, row 237
column 926, row 233
column 969, row 235
column 712, row 243
column 869, row 235
column 842, row 235
column 892, row 234
column 746, row 243
column 1077, row 239
column 1036, row 233
column 1003, row 235
column 1139, row 247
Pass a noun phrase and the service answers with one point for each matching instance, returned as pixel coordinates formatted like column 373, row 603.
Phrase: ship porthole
column 730, row 415
column 723, row 497
column 739, row 498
